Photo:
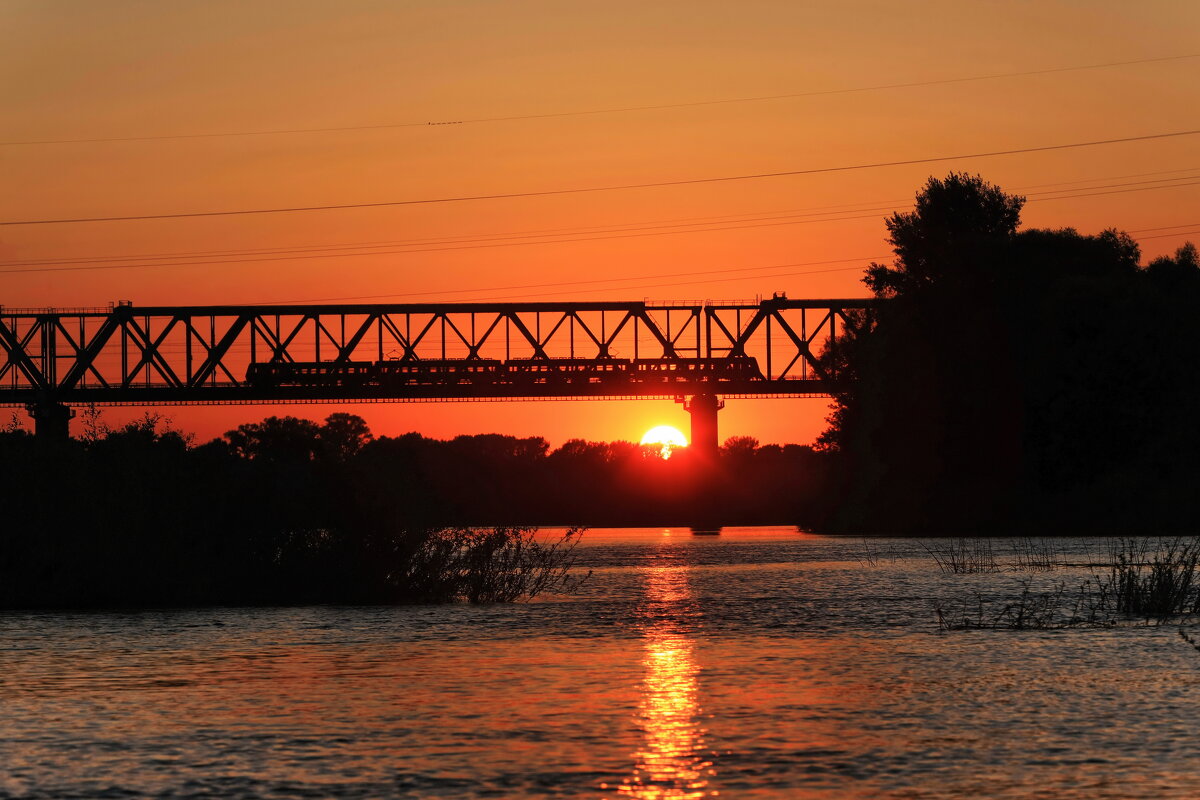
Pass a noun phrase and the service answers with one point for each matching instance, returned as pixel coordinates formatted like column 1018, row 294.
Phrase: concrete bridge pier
column 703, row 409
column 51, row 420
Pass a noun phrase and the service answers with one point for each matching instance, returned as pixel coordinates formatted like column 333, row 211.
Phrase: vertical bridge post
column 703, row 409
column 51, row 420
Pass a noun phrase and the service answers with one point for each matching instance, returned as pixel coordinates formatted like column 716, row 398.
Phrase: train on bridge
column 516, row 372
column 52, row 359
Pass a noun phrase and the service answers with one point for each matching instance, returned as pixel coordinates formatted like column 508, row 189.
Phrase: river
column 760, row 663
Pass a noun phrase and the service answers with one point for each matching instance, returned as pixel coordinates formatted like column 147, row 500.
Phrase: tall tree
column 1009, row 377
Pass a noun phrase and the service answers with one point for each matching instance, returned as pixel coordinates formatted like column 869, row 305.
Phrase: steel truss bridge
column 131, row 355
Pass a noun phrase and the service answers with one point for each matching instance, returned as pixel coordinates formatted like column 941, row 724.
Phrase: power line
column 619, row 187
column 1167, row 235
column 639, row 286
column 545, row 233
column 600, row 111
column 1115, row 191
column 407, row 251
column 420, row 246
column 608, row 288
column 89, row 264
column 642, row 286
column 678, row 283
column 585, row 282
column 451, row 239
column 1164, row 228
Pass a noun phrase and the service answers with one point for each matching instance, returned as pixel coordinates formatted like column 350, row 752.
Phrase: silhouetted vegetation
column 1154, row 579
column 289, row 510
column 962, row 556
column 1147, row 580
column 1036, row 380
column 1085, row 606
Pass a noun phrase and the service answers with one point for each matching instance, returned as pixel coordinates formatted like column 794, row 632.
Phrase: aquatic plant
column 493, row 565
column 1189, row 639
column 1055, row 607
column 1154, row 579
column 1033, row 554
column 867, row 553
column 962, row 556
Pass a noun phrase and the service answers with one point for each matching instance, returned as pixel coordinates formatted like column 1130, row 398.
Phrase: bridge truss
column 126, row 354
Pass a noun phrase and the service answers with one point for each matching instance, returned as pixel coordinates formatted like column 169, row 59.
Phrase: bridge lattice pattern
column 222, row 354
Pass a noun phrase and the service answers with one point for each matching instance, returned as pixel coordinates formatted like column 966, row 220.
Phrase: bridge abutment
column 51, row 420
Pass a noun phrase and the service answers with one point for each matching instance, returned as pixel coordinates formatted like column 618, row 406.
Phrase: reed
column 867, row 553
column 491, row 565
column 963, row 556
column 1147, row 579
column 1056, row 607
column 1033, row 554
column 1154, row 579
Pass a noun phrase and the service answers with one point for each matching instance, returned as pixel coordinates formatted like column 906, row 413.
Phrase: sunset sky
column 211, row 106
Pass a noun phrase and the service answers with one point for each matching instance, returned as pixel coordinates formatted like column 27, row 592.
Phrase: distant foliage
column 282, row 511
column 289, row 510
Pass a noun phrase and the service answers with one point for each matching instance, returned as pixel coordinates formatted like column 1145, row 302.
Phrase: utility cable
column 613, row 188
column 600, row 111
column 862, row 206
column 89, row 265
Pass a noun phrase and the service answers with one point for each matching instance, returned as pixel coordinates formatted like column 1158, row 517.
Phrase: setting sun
column 666, row 436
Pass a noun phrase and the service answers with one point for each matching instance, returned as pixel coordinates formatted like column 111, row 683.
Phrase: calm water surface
column 761, row 663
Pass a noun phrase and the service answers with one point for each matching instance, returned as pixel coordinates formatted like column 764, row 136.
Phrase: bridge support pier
column 703, row 409
column 51, row 420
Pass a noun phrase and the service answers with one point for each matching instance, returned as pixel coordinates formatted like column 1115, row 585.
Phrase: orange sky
column 127, row 69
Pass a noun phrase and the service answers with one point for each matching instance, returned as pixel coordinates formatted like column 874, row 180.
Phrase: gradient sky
column 122, row 69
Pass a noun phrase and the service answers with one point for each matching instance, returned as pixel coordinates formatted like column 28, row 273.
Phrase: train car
column 565, row 370
column 278, row 374
column 484, row 371
column 681, row 370
column 438, row 371
column 357, row 374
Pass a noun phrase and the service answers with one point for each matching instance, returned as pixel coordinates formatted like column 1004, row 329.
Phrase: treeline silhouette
column 288, row 510
column 1018, row 381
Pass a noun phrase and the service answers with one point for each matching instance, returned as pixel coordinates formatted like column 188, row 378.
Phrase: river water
column 760, row 663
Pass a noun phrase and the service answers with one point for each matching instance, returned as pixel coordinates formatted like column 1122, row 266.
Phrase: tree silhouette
column 1014, row 377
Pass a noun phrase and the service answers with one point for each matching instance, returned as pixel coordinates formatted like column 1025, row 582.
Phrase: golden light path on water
column 670, row 763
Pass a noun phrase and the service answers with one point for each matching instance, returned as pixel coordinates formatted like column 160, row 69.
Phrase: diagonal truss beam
column 199, row 353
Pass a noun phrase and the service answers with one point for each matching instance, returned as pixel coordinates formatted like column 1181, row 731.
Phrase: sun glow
column 667, row 437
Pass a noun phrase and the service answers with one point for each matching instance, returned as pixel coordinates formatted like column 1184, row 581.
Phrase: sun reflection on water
column 670, row 763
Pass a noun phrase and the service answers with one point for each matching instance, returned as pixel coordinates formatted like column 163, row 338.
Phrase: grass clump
column 1034, row 554
column 1154, row 580
column 1147, row 579
column 963, row 556
column 494, row 565
column 1055, row 607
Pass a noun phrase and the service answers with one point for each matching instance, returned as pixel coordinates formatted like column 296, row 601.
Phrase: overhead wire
column 656, row 276
column 633, row 227
column 357, row 251
column 845, row 207
column 611, row 188
column 611, row 110
column 876, row 205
